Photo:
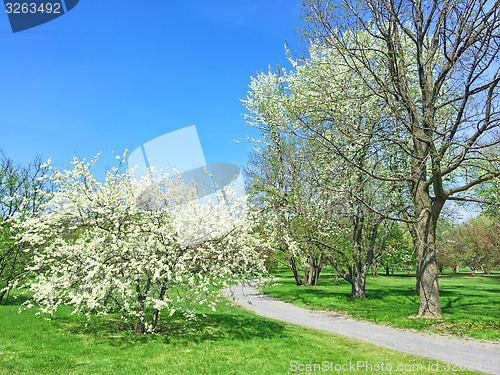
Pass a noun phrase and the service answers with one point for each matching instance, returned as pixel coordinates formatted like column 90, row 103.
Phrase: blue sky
column 113, row 75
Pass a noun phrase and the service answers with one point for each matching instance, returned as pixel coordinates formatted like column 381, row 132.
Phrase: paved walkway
column 473, row 354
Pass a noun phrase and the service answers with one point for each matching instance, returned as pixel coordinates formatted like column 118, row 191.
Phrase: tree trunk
column 296, row 274
column 312, row 276
column 156, row 313
column 140, row 327
column 154, row 320
column 317, row 271
column 2, row 294
column 427, row 214
column 358, row 273
column 358, row 286
column 141, row 297
column 313, row 270
column 417, row 268
column 430, row 306
column 374, row 269
column 417, row 281
column 359, row 270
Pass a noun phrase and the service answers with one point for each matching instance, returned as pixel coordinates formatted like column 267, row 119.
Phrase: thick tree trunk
column 417, row 259
column 427, row 214
column 430, row 306
column 358, row 286
column 313, row 270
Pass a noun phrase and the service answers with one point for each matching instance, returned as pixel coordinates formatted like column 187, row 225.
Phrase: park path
column 473, row 354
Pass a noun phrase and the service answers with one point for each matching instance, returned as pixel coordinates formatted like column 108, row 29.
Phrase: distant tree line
column 20, row 198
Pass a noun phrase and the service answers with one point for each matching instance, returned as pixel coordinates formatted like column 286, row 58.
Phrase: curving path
column 473, row 354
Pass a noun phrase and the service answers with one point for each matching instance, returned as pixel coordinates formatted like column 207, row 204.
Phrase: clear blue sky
column 111, row 75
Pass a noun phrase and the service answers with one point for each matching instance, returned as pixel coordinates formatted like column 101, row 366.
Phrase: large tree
column 435, row 67
column 138, row 248
column 316, row 125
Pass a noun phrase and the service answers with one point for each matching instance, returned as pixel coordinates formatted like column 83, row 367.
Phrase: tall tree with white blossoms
column 317, row 127
column 139, row 248
column 442, row 92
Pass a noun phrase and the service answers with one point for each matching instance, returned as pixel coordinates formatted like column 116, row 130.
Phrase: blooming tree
column 441, row 97
column 318, row 127
column 140, row 248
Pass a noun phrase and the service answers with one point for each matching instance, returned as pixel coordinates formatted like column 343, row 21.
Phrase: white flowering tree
column 139, row 248
column 319, row 127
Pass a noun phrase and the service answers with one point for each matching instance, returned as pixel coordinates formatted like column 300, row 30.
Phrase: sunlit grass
column 228, row 341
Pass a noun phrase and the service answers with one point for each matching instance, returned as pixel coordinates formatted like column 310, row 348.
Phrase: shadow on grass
column 327, row 288
column 451, row 303
column 336, row 300
column 227, row 323
column 176, row 330
column 14, row 300
column 222, row 326
column 464, row 275
column 393, row 292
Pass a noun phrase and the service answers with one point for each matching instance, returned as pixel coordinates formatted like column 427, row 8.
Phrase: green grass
column 229, row 341
column 470, row 304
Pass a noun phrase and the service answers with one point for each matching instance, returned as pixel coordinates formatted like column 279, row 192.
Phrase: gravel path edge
column 470, row 354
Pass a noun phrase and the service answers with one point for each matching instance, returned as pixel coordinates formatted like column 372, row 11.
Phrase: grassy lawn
column 470, row 304
column 229, row 341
